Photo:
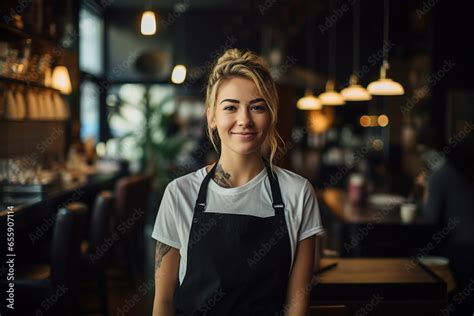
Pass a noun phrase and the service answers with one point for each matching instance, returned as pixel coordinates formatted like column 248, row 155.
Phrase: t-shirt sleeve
column 310, row 218
column 166, row 230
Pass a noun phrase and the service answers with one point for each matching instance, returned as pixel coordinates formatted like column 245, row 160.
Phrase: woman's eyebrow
column 237, row 101
column 230, row 100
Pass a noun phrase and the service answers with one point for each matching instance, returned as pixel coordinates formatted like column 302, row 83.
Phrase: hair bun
column 233, row 59
column 229, row 55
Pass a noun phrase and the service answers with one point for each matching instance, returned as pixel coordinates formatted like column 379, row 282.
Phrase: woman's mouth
column 245, row 135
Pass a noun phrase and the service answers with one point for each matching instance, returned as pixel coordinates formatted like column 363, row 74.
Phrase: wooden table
column 385, row 286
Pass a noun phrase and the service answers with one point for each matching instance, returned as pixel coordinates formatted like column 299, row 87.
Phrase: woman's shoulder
column 190, row 178
column 290, row 178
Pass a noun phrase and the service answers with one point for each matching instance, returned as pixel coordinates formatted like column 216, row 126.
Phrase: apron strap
column 277, row 204
column 201, row 199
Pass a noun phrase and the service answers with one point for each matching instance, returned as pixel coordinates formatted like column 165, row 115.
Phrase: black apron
column 236, row 264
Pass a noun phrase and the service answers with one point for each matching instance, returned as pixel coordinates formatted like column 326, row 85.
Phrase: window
column 90, row 117
column 91, row 30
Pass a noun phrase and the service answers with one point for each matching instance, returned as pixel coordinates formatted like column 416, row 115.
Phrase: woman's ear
column 210, row 118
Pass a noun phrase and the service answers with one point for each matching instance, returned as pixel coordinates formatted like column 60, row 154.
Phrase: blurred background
column 102, row 105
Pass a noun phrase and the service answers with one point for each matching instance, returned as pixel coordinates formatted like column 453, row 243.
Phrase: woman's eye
column 229, row 108
column 258, row 107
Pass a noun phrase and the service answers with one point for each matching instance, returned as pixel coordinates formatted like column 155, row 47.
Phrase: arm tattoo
column 221, row 177
column 161, row 250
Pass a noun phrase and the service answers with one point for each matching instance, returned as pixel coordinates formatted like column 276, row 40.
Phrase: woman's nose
column 244, row 117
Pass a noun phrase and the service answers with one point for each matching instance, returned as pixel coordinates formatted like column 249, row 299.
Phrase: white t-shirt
column 173, row 222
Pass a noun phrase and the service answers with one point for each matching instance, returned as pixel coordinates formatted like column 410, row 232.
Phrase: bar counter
column 34, row 219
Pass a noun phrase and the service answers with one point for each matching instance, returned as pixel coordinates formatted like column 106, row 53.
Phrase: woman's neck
column 236, row 170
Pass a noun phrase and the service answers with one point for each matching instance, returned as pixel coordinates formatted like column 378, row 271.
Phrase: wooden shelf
column 26, row 83
column 38, row 38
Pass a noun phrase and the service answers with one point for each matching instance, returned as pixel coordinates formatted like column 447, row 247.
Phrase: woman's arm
column 299, row 285
column 166, row 279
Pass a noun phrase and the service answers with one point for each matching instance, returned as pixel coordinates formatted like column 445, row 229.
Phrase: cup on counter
column 408, row 212
column 357, row 192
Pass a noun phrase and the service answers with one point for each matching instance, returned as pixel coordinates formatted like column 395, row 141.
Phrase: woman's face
column 241, row 116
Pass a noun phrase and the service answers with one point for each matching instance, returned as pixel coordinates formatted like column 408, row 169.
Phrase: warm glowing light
column 148, row 25
column 356, row 93
column 374, row 120
column 309, row 102
column 364, row 121
column 318, row 122
column 331, row 97
column 382, row 120
column 179, row 74
column 385, row 86
column 61, row 80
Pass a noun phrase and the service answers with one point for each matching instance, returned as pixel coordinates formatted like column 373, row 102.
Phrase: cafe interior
column 102, row 105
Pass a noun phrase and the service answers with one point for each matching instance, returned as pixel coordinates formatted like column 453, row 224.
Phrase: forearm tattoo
column 221, row 177
column 161, row 250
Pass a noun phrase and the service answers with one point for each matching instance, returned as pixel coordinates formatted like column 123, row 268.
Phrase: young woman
column 237, row 237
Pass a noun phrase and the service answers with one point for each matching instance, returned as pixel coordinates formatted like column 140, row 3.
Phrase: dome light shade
column 331, row 97
column 179, row 74
column 356, row 92
column 385, row 86
column 148, row 24
column 309, row 102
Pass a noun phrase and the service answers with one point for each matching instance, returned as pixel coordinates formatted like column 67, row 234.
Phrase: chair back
column 131, row 201
column 99, row 222
column 65, row 247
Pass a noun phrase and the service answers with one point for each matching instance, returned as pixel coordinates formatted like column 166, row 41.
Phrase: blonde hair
column 235, row 63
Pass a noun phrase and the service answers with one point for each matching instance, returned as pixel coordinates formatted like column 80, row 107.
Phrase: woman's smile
column 245, row 136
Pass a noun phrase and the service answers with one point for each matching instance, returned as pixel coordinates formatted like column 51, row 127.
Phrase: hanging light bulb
column 385, row 86
column 331, row 97
column 309, row 102
column 355, row 92
column 60, row 80
column 179, row 74
column 148, row 24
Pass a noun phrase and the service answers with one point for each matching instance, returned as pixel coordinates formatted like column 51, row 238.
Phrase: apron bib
column 236, row 264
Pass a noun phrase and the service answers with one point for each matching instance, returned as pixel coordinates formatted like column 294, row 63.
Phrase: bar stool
column 131, row 196
column 52, row 289
column 98, row 244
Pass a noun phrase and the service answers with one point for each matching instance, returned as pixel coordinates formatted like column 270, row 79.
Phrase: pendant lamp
column 148, row 21
column 309, row 101
column 356, row 92
column 178, row 76
column 331, row 97
column 385, row 86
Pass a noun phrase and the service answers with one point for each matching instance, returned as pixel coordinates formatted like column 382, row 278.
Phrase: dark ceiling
column 172, row 4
